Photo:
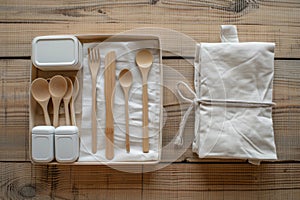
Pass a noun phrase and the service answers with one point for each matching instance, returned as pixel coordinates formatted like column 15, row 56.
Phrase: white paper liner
column 125, row 52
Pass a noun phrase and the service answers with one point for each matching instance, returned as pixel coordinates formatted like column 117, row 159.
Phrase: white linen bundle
column 233, row 84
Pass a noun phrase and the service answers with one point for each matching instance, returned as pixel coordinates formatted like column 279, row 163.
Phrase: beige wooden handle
column 94, row 118
column 109, row 130
column 56, row 104
column 145, row 119
column 46, row 115
column 67, row 115
column 72, row 111
column 127, row 122
column 109, row 151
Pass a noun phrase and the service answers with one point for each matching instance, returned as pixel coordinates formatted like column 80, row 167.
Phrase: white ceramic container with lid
column 66, row 144
column 42, row 143
column 57, row 52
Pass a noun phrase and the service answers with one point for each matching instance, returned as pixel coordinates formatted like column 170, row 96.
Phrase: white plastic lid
column 66, row 130
column 43, row 130
column 60, row 50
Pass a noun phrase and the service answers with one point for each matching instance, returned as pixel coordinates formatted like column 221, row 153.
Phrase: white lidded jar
column 42, row 144
column 57, row 52
column 66, row 144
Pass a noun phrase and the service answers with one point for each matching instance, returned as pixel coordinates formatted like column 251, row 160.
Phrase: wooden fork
column 94, row 65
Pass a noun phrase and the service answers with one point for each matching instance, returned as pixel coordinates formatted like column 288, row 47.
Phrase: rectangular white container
column 42, row 143
column 66, row 144
column 57, row 52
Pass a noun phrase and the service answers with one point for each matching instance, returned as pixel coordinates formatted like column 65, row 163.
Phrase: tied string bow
column 193, row 102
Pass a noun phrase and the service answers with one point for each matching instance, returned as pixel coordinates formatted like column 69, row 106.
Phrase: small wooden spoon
column 40, row 92
column 144, row 60
column 125, row 78
column 57, row 88
column 74, row 96
column 67, row 99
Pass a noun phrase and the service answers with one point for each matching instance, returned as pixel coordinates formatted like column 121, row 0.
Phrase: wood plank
column 287, row 99
column 14, row 101
column 176, row 181
column 223, row 181
column 198, row 20
column 14, row 88
column 176, row 39
column 278, row 12
column 24, row 180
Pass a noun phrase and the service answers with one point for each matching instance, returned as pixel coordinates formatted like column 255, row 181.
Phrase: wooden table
column 188, row 177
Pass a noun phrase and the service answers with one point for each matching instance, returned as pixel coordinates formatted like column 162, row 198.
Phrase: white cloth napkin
column 233, row 83
column 125, row 52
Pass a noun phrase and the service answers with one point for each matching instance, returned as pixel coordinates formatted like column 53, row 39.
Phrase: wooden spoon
column 40, row 92
column 57, row 88
column 67, row 99
column 74, row 96
column 125, row 78
column 144, row 60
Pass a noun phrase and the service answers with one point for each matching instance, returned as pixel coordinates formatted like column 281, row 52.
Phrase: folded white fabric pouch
column 233, row 99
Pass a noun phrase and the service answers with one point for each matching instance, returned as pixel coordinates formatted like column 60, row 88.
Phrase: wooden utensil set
column 144, row 61
column 59, row 89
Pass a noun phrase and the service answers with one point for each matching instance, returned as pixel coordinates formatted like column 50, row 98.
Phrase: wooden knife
column 109, row 86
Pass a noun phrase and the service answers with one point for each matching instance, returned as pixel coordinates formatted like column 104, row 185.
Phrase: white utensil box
column 64, row 55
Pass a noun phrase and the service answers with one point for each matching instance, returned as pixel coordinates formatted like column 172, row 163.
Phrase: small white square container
column 55, row 53
column 42, row 144
column 66, row 144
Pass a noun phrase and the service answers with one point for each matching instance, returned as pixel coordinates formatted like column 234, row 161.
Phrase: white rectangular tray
column 35, row 112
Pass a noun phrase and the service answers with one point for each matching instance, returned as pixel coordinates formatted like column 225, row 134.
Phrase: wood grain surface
column 268, row 21
column 180, row 24
column 177, row 181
